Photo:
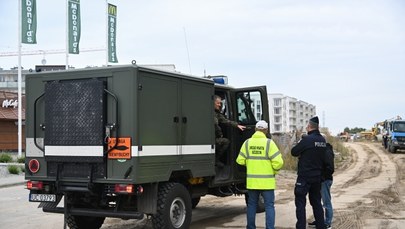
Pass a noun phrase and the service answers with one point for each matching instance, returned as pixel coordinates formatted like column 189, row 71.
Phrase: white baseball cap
column 261, row 125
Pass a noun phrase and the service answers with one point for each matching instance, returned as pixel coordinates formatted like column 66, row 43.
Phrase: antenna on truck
column 188, row 54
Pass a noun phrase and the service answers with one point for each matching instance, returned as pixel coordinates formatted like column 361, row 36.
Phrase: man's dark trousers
column 221, row 146
column 311, row 186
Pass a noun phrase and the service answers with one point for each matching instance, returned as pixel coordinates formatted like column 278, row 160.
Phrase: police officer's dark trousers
column 311, row 186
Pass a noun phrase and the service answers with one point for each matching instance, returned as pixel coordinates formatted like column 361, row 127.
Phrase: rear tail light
column 128, row 189
column 33, row 165
column 124, row 188
column 35, row 185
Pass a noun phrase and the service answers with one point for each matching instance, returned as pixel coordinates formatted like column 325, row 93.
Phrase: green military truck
column 131, row 141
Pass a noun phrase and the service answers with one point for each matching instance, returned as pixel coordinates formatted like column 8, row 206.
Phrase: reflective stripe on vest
column 259, row 176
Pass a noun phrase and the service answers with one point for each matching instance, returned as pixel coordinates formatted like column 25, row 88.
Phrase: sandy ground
column 367, row 193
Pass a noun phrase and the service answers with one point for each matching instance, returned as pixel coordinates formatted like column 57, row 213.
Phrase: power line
column 46, row 52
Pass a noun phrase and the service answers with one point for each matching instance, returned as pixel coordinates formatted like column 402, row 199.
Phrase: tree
column 354, row 130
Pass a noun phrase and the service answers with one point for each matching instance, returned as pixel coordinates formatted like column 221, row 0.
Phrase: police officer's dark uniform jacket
column 311, row 152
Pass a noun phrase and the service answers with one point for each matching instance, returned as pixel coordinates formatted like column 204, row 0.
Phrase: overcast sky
column 346, row 57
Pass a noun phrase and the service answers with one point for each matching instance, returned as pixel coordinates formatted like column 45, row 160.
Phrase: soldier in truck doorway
column 222, row 143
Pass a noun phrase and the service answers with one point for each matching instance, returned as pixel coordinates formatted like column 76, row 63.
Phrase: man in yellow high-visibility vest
column 263, row 160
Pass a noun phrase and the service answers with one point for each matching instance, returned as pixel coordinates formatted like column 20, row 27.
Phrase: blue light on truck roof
column 220, row 79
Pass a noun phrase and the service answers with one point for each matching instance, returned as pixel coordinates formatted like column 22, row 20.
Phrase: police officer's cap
column 314, row 120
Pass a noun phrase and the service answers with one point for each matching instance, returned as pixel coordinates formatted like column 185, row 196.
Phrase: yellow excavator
column 374, row 133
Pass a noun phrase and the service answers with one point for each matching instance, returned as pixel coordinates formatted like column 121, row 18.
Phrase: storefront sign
column 10, row 103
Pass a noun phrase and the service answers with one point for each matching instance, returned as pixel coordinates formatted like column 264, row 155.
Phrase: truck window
column 249, row 106
column 399, row 127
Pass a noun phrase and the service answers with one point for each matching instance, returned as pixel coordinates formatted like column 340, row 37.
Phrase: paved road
column 17, row 212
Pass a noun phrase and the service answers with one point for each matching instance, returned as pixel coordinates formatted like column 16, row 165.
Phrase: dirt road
column 368, row 194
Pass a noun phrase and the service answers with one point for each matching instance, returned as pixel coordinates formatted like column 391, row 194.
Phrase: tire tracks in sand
column 366, row 194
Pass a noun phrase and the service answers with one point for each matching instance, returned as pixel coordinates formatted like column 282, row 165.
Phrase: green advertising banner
column 112, row 33
column 29, row 21
column 74, row 26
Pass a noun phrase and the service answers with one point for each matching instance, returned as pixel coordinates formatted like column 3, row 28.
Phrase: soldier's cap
column 262, row 125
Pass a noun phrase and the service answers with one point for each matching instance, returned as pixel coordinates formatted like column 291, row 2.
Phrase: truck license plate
column 42, row 198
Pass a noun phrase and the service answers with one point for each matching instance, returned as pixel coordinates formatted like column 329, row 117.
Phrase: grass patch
column 21, row 160
column 291, row 163
column 5, row 158
column 13, row 169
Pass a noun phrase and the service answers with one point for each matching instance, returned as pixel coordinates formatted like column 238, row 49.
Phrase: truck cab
column 395, row 131
column 129, row 141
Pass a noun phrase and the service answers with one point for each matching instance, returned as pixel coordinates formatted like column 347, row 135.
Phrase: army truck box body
column 129, row 141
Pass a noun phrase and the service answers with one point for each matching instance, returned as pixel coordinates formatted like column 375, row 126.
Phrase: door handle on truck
column 176, row 119
column 184, row 119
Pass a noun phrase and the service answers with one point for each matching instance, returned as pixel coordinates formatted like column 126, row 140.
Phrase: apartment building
column 288, row 114
column 9, row 79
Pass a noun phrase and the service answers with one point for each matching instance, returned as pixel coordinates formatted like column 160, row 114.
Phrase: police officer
column 263, row 160
column 326, row 185
column 311, row 151
column 221, row 143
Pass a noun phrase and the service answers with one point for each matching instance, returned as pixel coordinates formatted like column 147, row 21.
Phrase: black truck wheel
column 84, row 222
column 392, row 149
column 173, row 207
column 260, row 206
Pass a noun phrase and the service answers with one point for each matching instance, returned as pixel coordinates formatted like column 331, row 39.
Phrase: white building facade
column 288, row 114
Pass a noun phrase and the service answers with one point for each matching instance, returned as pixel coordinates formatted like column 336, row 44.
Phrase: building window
column 277, row 102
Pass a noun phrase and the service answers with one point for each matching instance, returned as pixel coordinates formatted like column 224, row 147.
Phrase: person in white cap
column 263, row 160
